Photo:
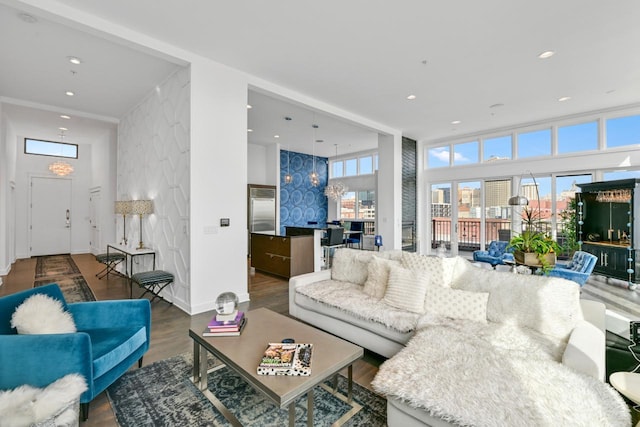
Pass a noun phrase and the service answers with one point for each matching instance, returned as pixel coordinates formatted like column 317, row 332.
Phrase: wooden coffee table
column 242, row 354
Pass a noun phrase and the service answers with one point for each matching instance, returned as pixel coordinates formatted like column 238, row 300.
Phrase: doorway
column 50, row 214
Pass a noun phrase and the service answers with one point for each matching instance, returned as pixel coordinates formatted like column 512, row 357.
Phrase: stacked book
column 226, row 326
column 286, row 359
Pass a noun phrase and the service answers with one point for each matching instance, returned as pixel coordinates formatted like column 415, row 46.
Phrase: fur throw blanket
column 350, row 298
column 57, row 404
column 475, row 374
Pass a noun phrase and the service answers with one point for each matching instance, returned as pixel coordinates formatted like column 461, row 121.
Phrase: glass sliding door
column 441, row 216
column 497, row 212
column 469, row 216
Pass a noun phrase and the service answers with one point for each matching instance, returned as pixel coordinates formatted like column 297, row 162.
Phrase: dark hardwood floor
column 170, row 325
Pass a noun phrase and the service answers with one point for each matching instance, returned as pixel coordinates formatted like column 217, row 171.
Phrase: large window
column 623, row 131
column 50, row 148
column 580, row 137
column 533, row 144
column 358, row 205
column 465, row 153
column 362, row 165
column 497, row 149
column 438, row 157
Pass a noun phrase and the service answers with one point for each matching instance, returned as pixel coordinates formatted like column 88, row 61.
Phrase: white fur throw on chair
column 55, row 405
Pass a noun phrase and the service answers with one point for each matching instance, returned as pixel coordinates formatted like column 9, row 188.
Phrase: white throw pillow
column 549, row 305
column 378, row 277
column 350, row 265
column 41, row 314
column 456, row 304
column 406, row 289
column 433, row 265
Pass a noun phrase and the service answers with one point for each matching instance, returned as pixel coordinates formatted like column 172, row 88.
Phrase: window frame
column 50, row 142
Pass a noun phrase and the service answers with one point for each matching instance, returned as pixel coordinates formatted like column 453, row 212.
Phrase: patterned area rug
column 162, row 394
column 61, row 269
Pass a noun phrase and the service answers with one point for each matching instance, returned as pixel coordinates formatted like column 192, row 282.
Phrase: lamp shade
column 122, row 207
column 518, row 201
column 142, row 207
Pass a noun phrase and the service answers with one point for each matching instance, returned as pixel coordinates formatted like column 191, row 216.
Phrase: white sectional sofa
column 455, row 333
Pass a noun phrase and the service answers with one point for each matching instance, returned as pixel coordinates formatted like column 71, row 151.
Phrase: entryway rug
column 61, row 269
column 162, row 394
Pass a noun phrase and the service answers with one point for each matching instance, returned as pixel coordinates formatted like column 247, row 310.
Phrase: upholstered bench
column 110, row 261
column 153, row 282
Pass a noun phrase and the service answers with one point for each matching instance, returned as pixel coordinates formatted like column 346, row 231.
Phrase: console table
column 130, row 254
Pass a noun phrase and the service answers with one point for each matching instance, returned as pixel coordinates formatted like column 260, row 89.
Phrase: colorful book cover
column 286, row 359
column 225, row 333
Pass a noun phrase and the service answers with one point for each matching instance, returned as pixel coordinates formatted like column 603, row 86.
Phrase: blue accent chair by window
column 356, row 237
column 111, row 337
column 497, row 253
column 578, row 269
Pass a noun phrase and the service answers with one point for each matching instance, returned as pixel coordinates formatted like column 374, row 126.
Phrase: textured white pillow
column 433, row 265
column 378, row 277
column 41, row 314
column 350, row 265
column 406, row 289
column 549, row 305
column 456, row 304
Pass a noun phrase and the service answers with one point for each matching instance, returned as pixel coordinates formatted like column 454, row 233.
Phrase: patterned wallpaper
column 153, row 162
column 300, row 202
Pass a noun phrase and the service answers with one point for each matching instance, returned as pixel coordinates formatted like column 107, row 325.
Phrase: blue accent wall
column 301, row 202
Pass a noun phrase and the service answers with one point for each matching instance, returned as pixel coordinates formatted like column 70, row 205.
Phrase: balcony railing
column 469, row 237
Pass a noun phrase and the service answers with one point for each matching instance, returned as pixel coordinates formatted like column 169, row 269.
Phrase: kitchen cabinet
column 282, row 255
column 607, row 227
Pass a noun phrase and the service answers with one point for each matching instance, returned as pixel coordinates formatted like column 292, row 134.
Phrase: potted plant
column 535, row 249
column 532, row 247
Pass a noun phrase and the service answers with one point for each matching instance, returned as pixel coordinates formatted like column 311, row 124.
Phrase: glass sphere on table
column 226, row 303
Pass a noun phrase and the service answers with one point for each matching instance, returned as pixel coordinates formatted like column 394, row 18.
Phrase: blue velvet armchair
column 578, row 269
column 497, row 253
column 111, row 336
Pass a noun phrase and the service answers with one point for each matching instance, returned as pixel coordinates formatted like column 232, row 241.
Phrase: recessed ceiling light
column 63, row 128
column 29, row 19
column 564, row 98
column 249, row 107
column 411, row 97
column 546, row 54
column 276, row 136
column 249, row 130
column 69, row 93
column 456, row 122
column 64, row 116
column 74, row 60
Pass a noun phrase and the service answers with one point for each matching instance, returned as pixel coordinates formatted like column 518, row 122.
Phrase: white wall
column 389, row 191
column 219, row 156
column 103, row 168
column 28, row 166
column 257, row 164
column 154, row 163
column 4, row 196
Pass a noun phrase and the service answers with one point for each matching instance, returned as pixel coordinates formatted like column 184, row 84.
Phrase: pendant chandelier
column 335, row 189
column 61, row 168
column 313, row 176
column 287, row 177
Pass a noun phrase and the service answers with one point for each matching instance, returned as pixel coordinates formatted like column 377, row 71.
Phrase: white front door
column 50, row 216
column 94, row 220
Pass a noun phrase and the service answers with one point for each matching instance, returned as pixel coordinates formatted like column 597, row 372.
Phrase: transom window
column 50, row 148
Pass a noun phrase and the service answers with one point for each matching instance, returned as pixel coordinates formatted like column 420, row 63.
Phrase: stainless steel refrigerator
column 261, row 210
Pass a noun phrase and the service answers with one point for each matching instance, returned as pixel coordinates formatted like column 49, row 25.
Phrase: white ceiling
column 365, row 56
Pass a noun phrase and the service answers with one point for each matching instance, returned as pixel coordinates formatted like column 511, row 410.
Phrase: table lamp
column 123, row 207
column 141, row 207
